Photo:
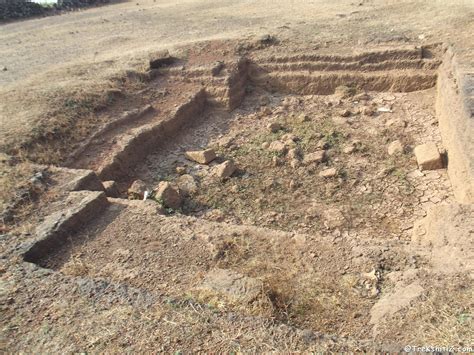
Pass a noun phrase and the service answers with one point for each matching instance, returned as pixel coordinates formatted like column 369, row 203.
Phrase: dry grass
column 443, row 316
column 44, row 120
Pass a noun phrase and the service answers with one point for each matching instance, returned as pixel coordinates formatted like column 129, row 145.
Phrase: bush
column 14, row 10
column 19, row 9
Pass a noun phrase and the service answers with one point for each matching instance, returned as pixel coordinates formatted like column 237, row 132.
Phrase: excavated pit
column 321, row 247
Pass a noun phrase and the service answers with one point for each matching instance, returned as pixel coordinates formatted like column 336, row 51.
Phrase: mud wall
column 150, row 137
column 455, row 112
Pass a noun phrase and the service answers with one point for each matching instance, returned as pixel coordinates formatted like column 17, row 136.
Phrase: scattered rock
column 340, row 120
column 295, row 164
column 315, row 157
column 384, row 109
column 137, row 190
column 168, row 195
column 274, row 127
column 294, row 154
column 229, row 287
column 344, row 91
column 201, row 156
column 349, row 149
column 180, row 170
column 111, row 188
column 289, row 137
column 278, row 147
column 267, row 40
column 276, row 161
column 395, row 147
column 395, row 122
column 328, row 173
column 323, row 143
column 333, row 218
column 303, row 118
column 265, row 145
column 345, row 113
column 428, row 157
column 368, row 111
column 187, row 184
column 362, row 97
column 224, row 170
column 293, row 185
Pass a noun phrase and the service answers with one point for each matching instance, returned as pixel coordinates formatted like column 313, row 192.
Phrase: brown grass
column 45, row 119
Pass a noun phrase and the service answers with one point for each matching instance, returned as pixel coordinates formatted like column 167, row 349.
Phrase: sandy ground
column 34, row 46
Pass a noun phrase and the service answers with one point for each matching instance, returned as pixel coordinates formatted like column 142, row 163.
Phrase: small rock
column 230, row 287
column 278, row 147
column 201, row 156
column 344, row 91
column 339, row 120
column 345, row 113
column 180, row 170
column 289, row 137
column 168, row 195
column 315, row 157
column 396, row 123
column 274, row 127
column 323, row 143
column 328, row 173
column 111, row 189
column 276, row 161
column 303, row 118
column 4, row 69
column 293, row 185
column 294, row 154
column 368, row 111
column 224, row 170
column 395, row 147
column 361, row 97
column 137, row 190
column 428, row 157
column 295, row 164
column 349, row 149
column 187, row 184
column 265, row 145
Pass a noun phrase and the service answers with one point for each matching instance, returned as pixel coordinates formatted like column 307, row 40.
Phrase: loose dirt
column 327, row 235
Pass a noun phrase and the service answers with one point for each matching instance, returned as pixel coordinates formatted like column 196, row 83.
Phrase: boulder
column 187, row 184
column 224, row 170
column 201, row 156
column 137, row 190
column 168, row 195
column 428, row 157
